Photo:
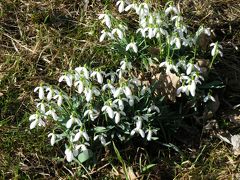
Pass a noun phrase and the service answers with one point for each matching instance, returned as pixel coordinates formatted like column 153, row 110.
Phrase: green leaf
column 148, row 167
column 85, row 155
column 213, row 85
column 100, row 129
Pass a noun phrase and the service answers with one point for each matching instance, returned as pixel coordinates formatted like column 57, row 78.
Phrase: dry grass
column 40, row 39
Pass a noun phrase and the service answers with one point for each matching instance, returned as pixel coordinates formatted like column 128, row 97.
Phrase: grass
column 41, row 39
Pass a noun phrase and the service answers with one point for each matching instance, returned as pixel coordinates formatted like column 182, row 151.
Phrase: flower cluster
column 99, row 107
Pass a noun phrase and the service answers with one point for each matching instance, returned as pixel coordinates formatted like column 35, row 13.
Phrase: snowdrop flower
column 118, row 31
column 191, row 67
column 105, row 34
column 42, row 107
column 69, row 155
column 171, row 9
column 142, row 10
column 138, row 129
column 92, row 113
column 131, row 100
column 118, row 92
column 192, row 88
column 108, row 86
column 209, row 97
column 127, row 91
column 82, row 70
column 50, row 93
column 153, row 108
column 68, row 78
column 112, row 76
column 36, row 120
column 101, row 138
column 73, row 120
column 52, row 112
column 118, row 116
column 131, row 6
column 133, row 46
column 98, row 75
column 215, row 50
column 89, row 92
column 168, row 66
column 150, row 133
column 80, row 86
column 59, row 98
column 108, row 110
column 120, row 5
column 40, row 92
column 182, row 89
column 53, row 138
column 81, row 134
column 176, row 41
column 125, row 65
column 120, row 103
column 106, row 19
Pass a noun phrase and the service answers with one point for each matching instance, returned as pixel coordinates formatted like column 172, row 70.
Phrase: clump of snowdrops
column 100, row 106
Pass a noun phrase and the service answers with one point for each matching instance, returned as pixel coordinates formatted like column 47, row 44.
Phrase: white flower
column 52, row 112
column 209, row 97
column 104, row 34
column 120, row 103
column 92, row 113
column 59, row 98
column 82, row 70
column 125, row 65
column 131, row 6
column 120, row 5
column 69, row 155
column 50, row 93
column 72, row 120
column 101, row 138
column 171, row 9
column 68, row 78
column 133, row 46
column 131, row 99
column 106, row 19
column 192, row 88
column 168, row 66
column 142, row 10
column 127, row 91
column 118, row 116
column 215, row 50
column 153, row 108
column 80, row 86
column 176, row 41
column 119, row 32
column 36, row 120
column 150, row 133
column 42, row 107
column 138, row 129
column 40, row 91
column 81, row 134
column 89, row 92
column 108, row 110
column 53, row 138
column 117, row 92
column 182, row 89
column 98, row 75
column 108, row 86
